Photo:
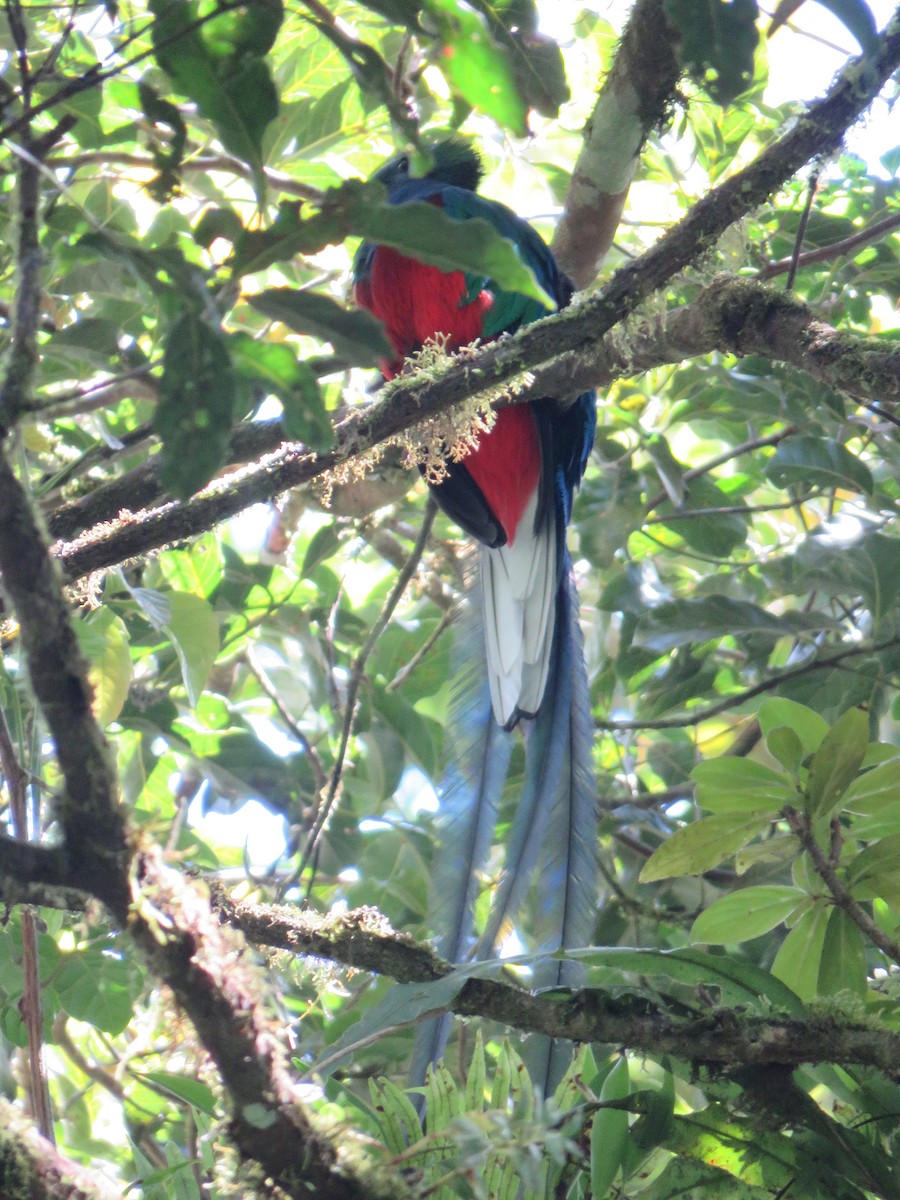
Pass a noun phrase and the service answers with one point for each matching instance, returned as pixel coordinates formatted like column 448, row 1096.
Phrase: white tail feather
column 519, row 584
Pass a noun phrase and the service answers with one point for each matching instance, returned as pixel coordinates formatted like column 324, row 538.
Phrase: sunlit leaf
column 837, row 761
column 196, row 404
column 733, row 785
column 799, row 957
column 745, row 914
column 104, row 641
column 823, row 462
column 194, row 630
column 698, row 847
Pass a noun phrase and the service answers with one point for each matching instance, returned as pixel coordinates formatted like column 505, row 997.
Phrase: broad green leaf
column 836, row 762
column 413, row 730
column 807, row 724
column 679, row 622
column 784, row 745
column 405, row 1004
column 811, row 461
column 653, row 1128
column 475, row 65
column 355, row 334
column 103, row 639
column 221, row 72
column 799, row 957
column 425, row 232
column 609, row 1131
column 194, row 630
column 276, row 367
column 192, row 1091
column 868, row 565
column 714, row 533
column 96, row 987
column 196, row 406
column 780, row 849
column 745, row 914
column 197, row 570
column 420, row 230
column 843, row 964
column 883, row 821
column 857, row 16
column 739, row 785
column 698, row 847
column 716, row 43
column 687, row 1179
column 878, row 863
column 874, row 789
column 739, row 981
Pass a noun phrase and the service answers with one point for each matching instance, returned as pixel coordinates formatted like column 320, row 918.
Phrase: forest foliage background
column 195, row 1001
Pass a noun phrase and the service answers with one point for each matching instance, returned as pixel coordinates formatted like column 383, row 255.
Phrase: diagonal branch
column 363, row 939
column 735, row 315
column 801, row 826
column 33, row 1167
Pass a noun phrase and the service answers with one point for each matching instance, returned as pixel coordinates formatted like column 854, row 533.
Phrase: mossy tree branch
column 734, row 315
column 362, row 939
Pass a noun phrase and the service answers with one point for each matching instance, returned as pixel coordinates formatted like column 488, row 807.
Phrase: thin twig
column 719, row 460
column 355, row 683
column 259, row 673
column 729, row 702
column 405, row 671
column 834, row 250
column 801, row 230
column 800, row 825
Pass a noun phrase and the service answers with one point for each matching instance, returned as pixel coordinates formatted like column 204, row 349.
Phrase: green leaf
column 194, row 630
column 843, row 964
column 404, row 1004
column 800, row 954
column 717, row 534
column 95, row 987
column 355, row 334
column 103, row 639
column 196, row 405
column 807, row 461
column 807, row 724
column 475, row 65
column 680, row 622
column 426, row 232
column 738, row 785
column 609, row 1131
column 858, row 18
column 198, row 570
column 874, row 789
column 687, row 1179
column 412, row 729
column 836, row 763
column 192, row 1091
column 876, row 867
column 717, row 41
column 277, row 367
column 745, row 914
column 784, row 745
column 698, row 847
column 781, row 849
column 219, row 70
column 739, row 981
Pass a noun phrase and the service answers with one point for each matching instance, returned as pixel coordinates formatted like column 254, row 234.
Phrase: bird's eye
column 403, row 164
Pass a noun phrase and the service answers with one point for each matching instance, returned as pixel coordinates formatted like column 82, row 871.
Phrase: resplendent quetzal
column 513, row 495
